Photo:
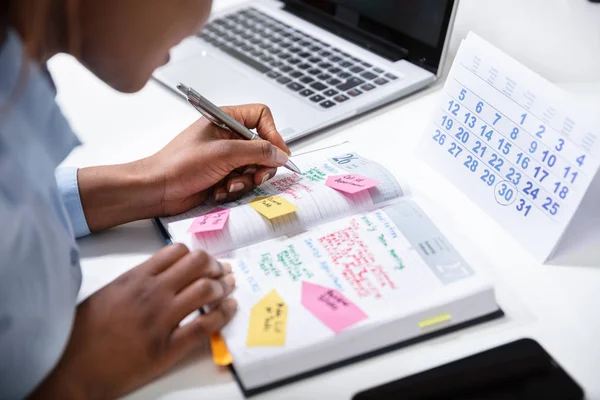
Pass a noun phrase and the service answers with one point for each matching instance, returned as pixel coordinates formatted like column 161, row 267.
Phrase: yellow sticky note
column 273, row 207
column 221, row 355
column 435, row 320
column 268, row 321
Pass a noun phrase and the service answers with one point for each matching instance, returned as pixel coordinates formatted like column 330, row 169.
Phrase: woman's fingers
column 195, row 265
column 264, row 174
column 164, row 258
column 258, row 116
column 187, row 337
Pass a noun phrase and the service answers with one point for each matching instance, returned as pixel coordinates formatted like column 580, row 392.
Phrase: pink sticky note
column 213, row 221
column 350, row 183
column 330, row 306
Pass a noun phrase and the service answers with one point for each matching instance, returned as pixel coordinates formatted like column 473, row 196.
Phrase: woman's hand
column 128, row 333
column 202, row 161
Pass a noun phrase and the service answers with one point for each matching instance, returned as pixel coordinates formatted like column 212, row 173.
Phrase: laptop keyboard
column 314, row 70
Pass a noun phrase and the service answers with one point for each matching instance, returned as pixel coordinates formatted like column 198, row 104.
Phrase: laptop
column 314, row 62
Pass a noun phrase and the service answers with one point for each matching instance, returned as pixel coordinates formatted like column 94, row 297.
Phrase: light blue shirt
column 39, row 261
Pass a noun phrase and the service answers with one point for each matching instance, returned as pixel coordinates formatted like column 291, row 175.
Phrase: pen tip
column 182, row 88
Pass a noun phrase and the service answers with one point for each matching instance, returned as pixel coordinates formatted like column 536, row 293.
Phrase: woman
column 127, row 333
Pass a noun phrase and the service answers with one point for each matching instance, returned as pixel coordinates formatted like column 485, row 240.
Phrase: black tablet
column 517, row 370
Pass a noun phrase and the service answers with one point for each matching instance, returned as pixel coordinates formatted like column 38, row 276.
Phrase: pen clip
column 208, row 116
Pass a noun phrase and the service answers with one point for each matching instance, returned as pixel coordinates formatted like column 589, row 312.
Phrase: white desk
column 555, row 304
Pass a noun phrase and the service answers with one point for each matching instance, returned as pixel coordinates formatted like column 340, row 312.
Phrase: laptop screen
column 395, row 29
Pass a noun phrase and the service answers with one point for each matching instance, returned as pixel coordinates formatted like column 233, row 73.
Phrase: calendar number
column 533, row 147
column 523, row 117
column 496, row 162
column 447, row 122
column 344, row 159
column 462, row 94
column 513, row 176
column 438, row 137
column 505, row 193
column 561, row 189
column 453, row 108
column 522, row 160
column 471, row 163
column 479, row 107
column 541, row 131
column 550, row 206
column 504, row 146
column 488, row 135
column 515, row 133
column 488, row 177
column 568, row 173
column 454, row 149
column 560, row 145
column 548, row 158
column 479, row 148
column 498, row 117
column 470, row 120
column 523, row 207
column 540, row 174
column 462, row 135
column 580, row 160
column 530, row 190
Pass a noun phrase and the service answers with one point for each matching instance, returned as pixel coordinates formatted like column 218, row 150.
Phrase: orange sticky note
column 221, row 355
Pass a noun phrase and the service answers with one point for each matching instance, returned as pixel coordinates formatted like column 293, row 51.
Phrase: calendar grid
column 579, row 146
column 461, row 145
column 553, row 174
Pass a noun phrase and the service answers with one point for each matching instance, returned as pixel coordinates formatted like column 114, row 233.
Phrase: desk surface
column 556, row 304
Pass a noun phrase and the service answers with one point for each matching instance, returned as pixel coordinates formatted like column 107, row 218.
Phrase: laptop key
column 295, row 86
column 285, row 45
column 345, row 64
column 330, row 92
column 315, row 60
column 275, row 63
column 350, row 83
column 323, row 77
column 284, row 56
column 325, row 53
column 294, row 50
column 315, row 48
column 245, row 59
column 381, row 81
column 324, row 65
column 257, row 53
column 335, row 58
column 391, row 76
column 341, row 98
column 327, row 104
column 304, row 54
column 318, row 86
column 285, row 68
column 316, row 98
column 306, row 92
column 368, row 75
column 356, row 69
column 295, row 74
column 366, row 64
column 306, row 79
column 344, row 75
column 283, row 79
column 367, row 86
column 354, row 92
column 378, row 70
column 334, row 70
column 273, row 74
column 334, row 81
column 304, row 66
column 314, row 71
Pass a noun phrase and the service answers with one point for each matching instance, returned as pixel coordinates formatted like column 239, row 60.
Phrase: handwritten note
column 350, row 183
column 268, row 321
column 213, row 221
column 330, row 306
column 273, row 206
column 220, row 353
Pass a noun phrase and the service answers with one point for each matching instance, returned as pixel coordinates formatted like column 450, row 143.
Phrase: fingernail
column 249, row 170
column 280, row 157
column 220, row 196
column 229, row 305
column 265, row 177
column 236, row 187
column 226, row 267
column 229, row 280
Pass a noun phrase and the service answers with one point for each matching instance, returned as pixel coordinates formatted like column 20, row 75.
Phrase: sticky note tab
column 435, row 320
column 268, row 321
column 330, row 306
column 220, row 353
column 273, row 206
column 213, row 221
column 350, row 183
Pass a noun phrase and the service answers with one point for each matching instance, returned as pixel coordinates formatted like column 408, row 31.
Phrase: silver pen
column 220, row 118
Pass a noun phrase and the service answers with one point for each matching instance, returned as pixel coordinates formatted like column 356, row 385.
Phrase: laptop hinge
column 380, row 47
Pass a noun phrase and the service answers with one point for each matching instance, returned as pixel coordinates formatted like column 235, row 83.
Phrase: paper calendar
column 514, row 142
